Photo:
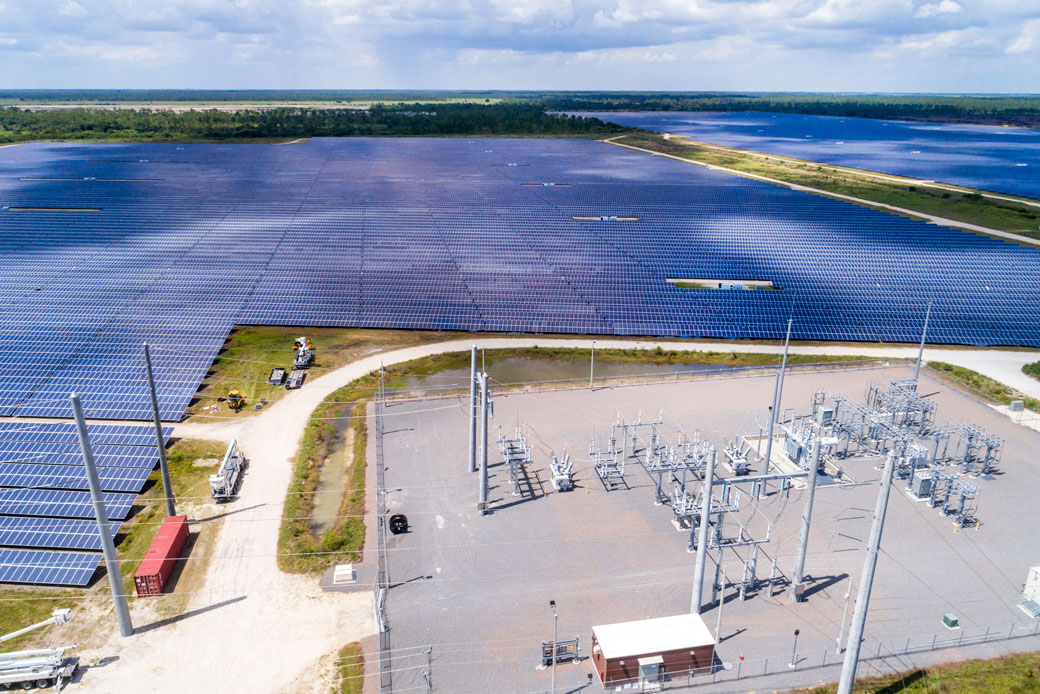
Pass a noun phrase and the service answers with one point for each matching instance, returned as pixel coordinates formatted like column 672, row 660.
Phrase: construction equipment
column 236, row 400
column 41, row 667
column 304, row 353
column 296, row 379
column 276, row 377
column 223, row 484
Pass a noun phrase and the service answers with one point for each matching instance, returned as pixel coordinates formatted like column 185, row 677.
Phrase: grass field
column 1011, row 674
column 250, row 353
column 351, row 670
column 1032, row 369
column 991, row 388
column 967, row 206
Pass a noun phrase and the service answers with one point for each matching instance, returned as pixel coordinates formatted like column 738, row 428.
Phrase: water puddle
column 528, row 370
column 328, row 496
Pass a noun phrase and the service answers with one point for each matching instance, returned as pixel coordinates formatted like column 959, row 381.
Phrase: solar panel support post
column 473, row 410
column 803, row 540
column 483, row 505
column 778, row 391
column 108, row 548
column 171, row 502
column 859, row 615
column 702, row 535
column 924, row 336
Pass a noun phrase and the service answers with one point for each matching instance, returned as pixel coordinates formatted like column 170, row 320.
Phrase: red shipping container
column 161, row 557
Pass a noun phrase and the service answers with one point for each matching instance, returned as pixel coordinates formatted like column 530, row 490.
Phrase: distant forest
column 1002, row 110
column 436, row 119
column 433, row 113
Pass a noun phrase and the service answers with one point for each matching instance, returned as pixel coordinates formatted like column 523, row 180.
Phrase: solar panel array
column 48, row 533
column 189, row 240
column 1005, row 160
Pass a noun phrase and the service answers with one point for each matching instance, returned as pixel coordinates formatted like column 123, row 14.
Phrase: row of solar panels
column 48, row 531
column 443, row 234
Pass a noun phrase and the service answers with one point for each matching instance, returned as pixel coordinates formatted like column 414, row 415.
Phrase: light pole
column 794, row 651
column 552, row 604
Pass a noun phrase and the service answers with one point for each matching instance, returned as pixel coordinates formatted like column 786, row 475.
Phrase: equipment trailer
column 224, row 484
column 41, row 667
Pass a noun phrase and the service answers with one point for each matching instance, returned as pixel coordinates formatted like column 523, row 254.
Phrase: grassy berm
column 1018, row 673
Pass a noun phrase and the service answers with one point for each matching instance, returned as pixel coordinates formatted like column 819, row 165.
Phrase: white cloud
column 527, row 11
column 608, row 56
column 72, row 9
column 1028, row 40
column 130, row 54
column 938, row 8
column 721, row 44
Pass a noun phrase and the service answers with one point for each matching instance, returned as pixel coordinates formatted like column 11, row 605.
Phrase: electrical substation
column 648, row 502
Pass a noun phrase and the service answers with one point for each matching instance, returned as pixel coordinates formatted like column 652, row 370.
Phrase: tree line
column 433, row 119
column 1011, row 110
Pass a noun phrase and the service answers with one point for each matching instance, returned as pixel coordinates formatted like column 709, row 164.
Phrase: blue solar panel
column 51, row 533
column 65, row 432
column 71, row 454
column 442, row 234
column 51, row 568
column 61, row 504
column 36, row 476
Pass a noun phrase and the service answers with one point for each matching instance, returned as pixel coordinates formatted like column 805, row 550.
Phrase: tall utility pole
column 778, row 392
column 859, row 615
column 171, row 506
column 924, row 335
column 797, row 586
column 428, row 672
column 722, row 601
column 473, row 409
column 702, row 534
column 483, row 505
column 108, row 548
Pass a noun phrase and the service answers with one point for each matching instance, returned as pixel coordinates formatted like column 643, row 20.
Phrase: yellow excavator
column 236, row 400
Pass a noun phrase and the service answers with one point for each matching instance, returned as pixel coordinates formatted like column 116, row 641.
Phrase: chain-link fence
column 874, row 653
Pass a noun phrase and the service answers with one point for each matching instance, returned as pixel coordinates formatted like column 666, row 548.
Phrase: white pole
column 803, row 541
column 555, row 619
column 592, row 363
column 473, row 409
column 171, row 509
column 483, row 506
column 702, row 535
column 108, row 548
column 924, row 335
column 844, row 614
column 859, row 615
column 777, row 396
column 722, row 601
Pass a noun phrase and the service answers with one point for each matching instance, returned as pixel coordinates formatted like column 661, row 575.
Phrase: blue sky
column 804, row 45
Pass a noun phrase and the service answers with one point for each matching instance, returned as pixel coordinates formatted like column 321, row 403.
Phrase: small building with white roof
column 648, row 651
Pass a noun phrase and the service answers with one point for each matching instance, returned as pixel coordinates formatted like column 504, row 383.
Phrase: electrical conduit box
column 1032, row 590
